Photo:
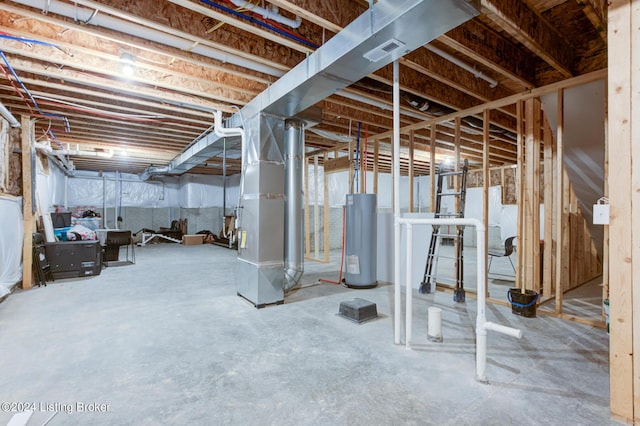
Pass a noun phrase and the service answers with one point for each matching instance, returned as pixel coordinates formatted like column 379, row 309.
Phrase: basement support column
column 432, row 169
column 307, row 228
column 327, row 232
column 396, row 198
column 316, row 211
column 410, row 171
column 486, row 141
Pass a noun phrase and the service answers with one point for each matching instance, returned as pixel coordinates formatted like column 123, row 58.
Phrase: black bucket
column 523, row 304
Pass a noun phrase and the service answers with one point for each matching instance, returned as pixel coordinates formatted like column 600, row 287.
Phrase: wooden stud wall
column 27, row 203
column 547, row 271
column 624, row 258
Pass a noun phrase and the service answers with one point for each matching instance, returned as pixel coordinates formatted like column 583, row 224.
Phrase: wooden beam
column 605, row 237
column 520, row 194
column 482, row 44
column 547, row 276
column 242, row 24
column 596, row 11
column 624, row 225
column 337, row 164
column 241, row 43
column 91, row 31
column 533, row 31
column 27, row 203
column 634, row 136
column 529, row 94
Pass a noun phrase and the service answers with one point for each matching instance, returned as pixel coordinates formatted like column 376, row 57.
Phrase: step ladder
column 437, row 236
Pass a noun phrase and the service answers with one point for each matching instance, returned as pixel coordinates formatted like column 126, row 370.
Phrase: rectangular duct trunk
column 388, row 31
column 261, row 216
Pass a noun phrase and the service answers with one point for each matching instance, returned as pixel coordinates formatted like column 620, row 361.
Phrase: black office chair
column 113, row 241
column 508, row 249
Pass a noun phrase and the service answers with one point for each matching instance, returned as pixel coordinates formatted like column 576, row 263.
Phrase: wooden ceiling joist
column 533, row 31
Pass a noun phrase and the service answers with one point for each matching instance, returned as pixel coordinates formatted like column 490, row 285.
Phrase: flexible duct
column 153, row 171
column 293, row 207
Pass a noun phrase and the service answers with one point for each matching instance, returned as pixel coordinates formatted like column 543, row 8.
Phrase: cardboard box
column 192, row 240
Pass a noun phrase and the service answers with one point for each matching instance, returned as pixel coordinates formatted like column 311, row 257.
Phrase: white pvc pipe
column 502, row 329
column 434, row 329
column 13, row 122
column 104, row 201
column 223, row 132
column 66, row 192
column 272, row 14
column 146, row 32
column 476, row 73
column 396, row 199
column 482, row 325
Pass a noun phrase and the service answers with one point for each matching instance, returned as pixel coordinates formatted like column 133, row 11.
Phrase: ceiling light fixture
column 127, row 62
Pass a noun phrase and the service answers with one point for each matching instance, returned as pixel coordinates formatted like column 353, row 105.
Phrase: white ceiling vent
column 386, row 48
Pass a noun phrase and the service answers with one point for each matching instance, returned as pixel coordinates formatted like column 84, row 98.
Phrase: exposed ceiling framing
column 191, row 56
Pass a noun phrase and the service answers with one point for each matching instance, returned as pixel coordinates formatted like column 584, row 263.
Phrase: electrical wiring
column 273, row 26
column 26, row 91
column 26, row 40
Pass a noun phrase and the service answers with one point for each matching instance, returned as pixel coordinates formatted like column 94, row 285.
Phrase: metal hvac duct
column 386, row 32
column 293, row 203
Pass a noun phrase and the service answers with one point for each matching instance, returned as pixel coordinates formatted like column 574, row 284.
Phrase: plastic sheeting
column 127, row 190
column 197, row 191
column 11, row 239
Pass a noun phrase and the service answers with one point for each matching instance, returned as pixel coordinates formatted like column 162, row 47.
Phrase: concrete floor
column 167, row 341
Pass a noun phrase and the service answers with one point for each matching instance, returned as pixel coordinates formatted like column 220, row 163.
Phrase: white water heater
column 361, row 241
